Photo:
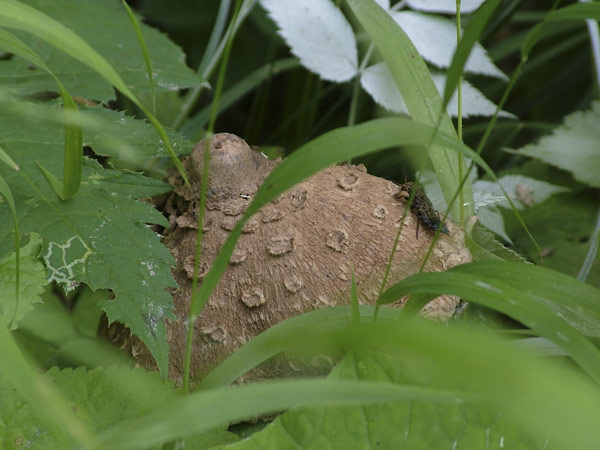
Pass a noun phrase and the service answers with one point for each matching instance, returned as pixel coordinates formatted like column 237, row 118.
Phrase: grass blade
column 73, row 156
column 578, row 11
column 206, row 410
column 6, row 192
column 286, row 335
column 51, row 408
column 418, row 92
column 468, row 39
column 554, row 305
column 481, row 364
column 144, row 50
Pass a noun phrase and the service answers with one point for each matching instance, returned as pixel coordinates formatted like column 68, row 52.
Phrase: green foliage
column 92, row 21
column 98, row 236
column 98, row 398
column 392, row 425
column 573, row 146
column 89, row 247
column 32, row 281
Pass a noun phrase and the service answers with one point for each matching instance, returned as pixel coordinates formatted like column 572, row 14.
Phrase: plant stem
column 459, row 120
column 194, row 94
column 202, row 206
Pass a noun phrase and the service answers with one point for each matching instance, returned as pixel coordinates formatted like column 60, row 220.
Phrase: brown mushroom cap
column 295, row 255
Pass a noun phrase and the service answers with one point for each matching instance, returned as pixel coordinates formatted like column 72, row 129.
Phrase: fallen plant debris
column 295, row 255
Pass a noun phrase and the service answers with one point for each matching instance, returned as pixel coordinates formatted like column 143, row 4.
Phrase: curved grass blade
column 578, row 11
column 23, row 17
column 338, row 145
column 144, row 50
column 210, row 64
column 50, row 407
column 418, row 92
column 520, row 384
column 6, row 192
column 73, row 157
column 6, row 159
column 54, row 182
column 354, row 306
column 556, row 306
column 206, row 410
column 216, row 34
column 286, row 335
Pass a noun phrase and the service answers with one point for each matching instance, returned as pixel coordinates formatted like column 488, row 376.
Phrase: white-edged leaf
column 378, row 82
column 385, row 4
column 491, row 218
column 435, row 39
column 432, row 188
column 445, row 6
column 574, row 146
column 526, row 191
column 483, row 199
column 318, row 34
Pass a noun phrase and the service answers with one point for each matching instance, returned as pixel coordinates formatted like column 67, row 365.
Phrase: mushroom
column 295, row 255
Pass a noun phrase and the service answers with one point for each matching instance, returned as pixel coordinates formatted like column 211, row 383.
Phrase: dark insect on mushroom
column 422, row 206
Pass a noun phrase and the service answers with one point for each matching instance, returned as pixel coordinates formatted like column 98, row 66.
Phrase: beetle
column 422, row 206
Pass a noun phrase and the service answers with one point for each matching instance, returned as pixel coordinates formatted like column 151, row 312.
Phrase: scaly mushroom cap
column 295, row 255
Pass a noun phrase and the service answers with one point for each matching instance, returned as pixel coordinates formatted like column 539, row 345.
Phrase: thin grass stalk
column 194, row 94
column 202, row 207
column 459, row 119
column 388, row 267
column 144, row 48
column 6, row 192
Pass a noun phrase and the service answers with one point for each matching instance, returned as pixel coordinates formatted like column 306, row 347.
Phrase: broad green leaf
column 107, row 132
column 337, row 145
column 573, row 146
column 392, row 425
column 20, row 384
column 22, row 17
column 206, row 410
column 32, row 279
column 482, row 245
column 73, row 133
column 418, row 92
column 563, row 225
column 54, row 334
column 99, row 236
column 521, row 385
column 99, row 398
column 557, row 306
column 90, row 20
